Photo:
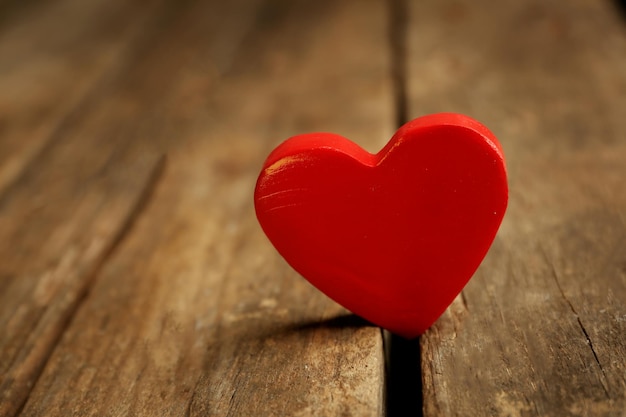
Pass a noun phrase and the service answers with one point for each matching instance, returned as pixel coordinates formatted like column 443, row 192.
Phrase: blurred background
column 134, row 278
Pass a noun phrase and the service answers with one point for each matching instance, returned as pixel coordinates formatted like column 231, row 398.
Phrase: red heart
column 393, row 237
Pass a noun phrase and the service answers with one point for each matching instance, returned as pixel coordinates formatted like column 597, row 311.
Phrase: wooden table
column 135, row 280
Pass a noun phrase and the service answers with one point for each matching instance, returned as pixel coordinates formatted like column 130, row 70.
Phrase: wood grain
column 57, row 228
column 540, row 329
column 62, row 216
column 195, row 313
column 55, row 58
column 137, row 284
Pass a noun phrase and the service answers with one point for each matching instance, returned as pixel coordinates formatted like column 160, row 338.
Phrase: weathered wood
column 195, row 313
column 541, row 328
column 57, row 228
column 66, row 213
column 54, row 59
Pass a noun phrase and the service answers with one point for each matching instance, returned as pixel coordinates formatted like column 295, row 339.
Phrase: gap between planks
column 403, row 357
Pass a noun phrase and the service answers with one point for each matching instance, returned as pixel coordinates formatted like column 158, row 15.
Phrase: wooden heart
column 394, row 236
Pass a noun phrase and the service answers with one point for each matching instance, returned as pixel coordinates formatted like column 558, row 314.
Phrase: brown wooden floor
column 135, row 280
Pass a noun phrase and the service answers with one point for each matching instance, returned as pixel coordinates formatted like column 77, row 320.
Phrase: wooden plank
column 54, row 59
column 541, row 329
column 57, row 228
column 59, row 222
column 195, row 313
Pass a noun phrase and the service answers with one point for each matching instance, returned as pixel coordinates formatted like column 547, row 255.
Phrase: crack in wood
column 595, row 355
column 231, row 400
column 398, row 20
column 403, row 359
column 580, row 323
column 404, row 377
column 403, row 391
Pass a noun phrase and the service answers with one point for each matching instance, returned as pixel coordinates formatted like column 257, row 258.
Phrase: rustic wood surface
column 541, row 328
column 55, row 58
column 134, row 279
column 140, row 284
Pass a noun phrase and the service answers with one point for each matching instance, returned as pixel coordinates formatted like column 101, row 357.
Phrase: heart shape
column 393, row 237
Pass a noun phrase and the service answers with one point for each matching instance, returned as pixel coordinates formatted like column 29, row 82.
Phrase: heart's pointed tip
column 409, row 336
column 405, row 330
